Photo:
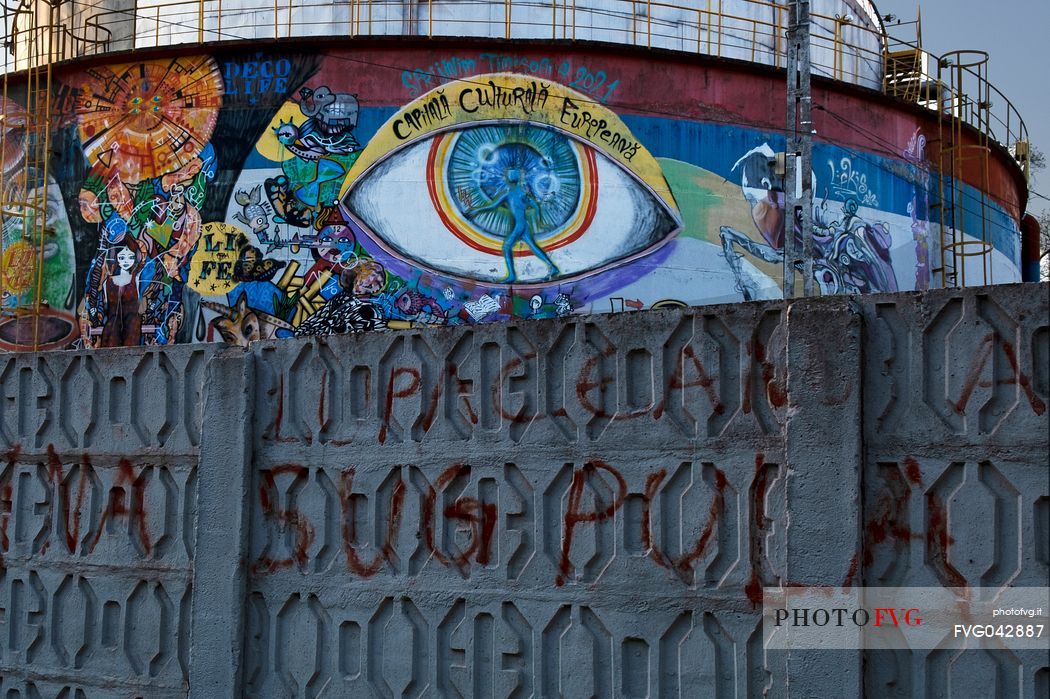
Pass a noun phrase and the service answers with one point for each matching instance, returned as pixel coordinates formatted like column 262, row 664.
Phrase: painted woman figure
column 120, row 297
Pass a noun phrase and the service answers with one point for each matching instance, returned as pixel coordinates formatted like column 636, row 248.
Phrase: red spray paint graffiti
column 6, row 500
column 977, row 365
column 757, row 530
column 888, row 524
column 678, row 383
column 118, row 508
column 574, row 516
column 480, row 516
column 684, row 564
column 71, row 531
column 408, row 381
column 301, row 528
column 482, row 519
column 386, row 552
column 391, row 394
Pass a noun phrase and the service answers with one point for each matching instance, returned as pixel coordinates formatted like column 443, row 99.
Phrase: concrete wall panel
column 955, row 469
column 98, row 497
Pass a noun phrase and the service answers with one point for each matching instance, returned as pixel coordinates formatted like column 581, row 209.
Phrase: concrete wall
column 575, row 507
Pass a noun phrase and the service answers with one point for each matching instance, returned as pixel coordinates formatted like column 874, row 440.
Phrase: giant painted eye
column 510, row 182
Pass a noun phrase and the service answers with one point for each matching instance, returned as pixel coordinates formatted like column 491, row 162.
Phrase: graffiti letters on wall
column 363, row 196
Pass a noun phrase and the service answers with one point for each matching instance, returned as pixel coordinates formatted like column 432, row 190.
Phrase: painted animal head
column 764, row 192
column 411, row 302
column 255, row 213
column 239, row 324
column 312, row 101
column 335, row 112
column 287, row 133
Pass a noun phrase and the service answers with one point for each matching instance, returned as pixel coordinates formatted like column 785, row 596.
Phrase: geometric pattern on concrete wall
column 97, row 507
column 538, row 510
column 574, row 508
column 955, row 473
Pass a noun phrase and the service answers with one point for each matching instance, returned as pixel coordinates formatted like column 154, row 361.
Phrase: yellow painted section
column 509, row 98
column 211, row 269
column 268, row 146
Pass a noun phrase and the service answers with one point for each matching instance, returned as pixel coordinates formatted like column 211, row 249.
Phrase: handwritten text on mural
column 593, row 82
column 519, row 101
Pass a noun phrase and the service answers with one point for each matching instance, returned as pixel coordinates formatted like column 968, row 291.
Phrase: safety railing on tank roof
column 744, row 29
column 753, row 30
column 30, row 45
column 968, row 95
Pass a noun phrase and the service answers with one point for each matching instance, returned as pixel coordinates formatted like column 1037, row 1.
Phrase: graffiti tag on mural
column 595, row 83
column 257, row 78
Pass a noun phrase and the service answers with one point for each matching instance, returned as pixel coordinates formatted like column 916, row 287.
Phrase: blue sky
column 1015, row 32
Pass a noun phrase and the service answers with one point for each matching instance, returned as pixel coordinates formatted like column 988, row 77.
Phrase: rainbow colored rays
column 140, row 121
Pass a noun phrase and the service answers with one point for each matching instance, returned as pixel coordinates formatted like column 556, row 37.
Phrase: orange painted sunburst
column 145, row 120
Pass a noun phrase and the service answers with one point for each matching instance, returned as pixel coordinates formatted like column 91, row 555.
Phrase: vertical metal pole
column 3, row 182
column 649, row 23
column 798, row 171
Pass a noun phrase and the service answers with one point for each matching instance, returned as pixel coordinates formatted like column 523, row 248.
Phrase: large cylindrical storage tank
column 244, row 170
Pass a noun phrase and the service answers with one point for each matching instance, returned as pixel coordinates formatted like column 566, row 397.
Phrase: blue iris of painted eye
column 541, row 161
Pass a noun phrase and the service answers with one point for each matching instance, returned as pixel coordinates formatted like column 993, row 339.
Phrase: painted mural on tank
column 37, row 259
column 260, row 196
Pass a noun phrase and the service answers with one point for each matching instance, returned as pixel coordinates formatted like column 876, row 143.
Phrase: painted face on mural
column 335, row 243
column 125, row 259
column 369, row 278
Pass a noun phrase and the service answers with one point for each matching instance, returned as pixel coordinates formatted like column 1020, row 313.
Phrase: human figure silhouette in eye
column 518, row 200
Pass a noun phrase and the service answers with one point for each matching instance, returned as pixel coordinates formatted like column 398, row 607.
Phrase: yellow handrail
column 742, row 29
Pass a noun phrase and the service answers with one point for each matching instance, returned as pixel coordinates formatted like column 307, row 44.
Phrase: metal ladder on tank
column 34, row 42
column 964, row 153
